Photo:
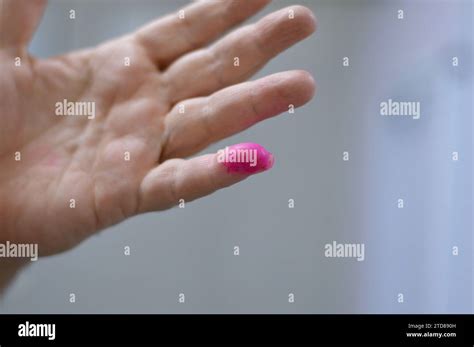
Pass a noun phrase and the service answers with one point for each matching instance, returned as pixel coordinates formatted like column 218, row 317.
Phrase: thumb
column 18, row 21
column 176, row 179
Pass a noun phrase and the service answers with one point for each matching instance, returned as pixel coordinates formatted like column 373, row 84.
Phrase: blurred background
column 408, row 251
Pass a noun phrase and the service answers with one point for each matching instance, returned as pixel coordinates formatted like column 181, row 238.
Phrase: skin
column 173, row 62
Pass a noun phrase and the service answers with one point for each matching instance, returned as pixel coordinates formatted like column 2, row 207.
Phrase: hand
column 64, row 177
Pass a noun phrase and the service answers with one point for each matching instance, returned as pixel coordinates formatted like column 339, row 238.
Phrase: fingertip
column 245, row 158
column 308, row 85
column 270, row 162
column 282, row 29
column 305, row 18
column 299, row 86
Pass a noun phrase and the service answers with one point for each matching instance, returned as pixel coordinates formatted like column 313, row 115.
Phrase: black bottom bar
column 274, row 329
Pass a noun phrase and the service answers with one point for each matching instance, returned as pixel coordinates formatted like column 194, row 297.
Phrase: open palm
column 159, row 97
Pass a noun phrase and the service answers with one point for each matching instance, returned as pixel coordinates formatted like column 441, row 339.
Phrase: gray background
column 282, row 250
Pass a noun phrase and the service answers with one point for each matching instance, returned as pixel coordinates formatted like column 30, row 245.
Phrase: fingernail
column 247, row 158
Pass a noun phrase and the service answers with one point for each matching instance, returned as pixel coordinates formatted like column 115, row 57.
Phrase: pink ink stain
column 247, row 158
